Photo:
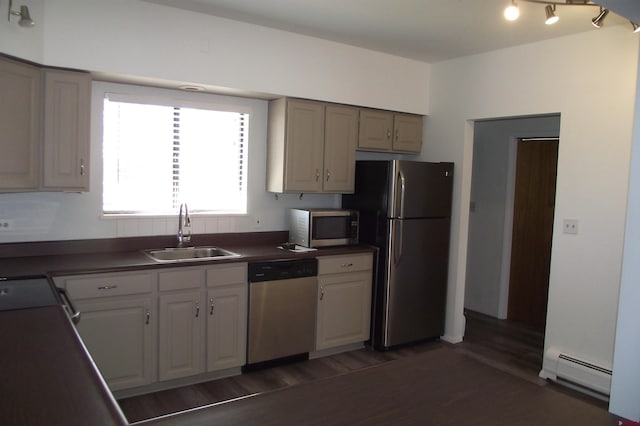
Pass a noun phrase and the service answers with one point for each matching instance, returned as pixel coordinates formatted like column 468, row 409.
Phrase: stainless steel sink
column 187, row 254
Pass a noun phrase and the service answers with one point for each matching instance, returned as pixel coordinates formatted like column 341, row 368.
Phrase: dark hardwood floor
column 510, row 347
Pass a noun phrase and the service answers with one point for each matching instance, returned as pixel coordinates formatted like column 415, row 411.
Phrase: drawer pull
column 211, row 305
column 197, row 309
column 347, row 265
column 107, row 287
column 148, row 316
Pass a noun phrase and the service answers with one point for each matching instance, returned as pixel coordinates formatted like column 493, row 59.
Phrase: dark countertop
column 46, row 371
column 47, row 377
column 125, row 254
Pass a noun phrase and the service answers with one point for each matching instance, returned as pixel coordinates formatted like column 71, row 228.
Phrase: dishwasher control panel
column 282, row 269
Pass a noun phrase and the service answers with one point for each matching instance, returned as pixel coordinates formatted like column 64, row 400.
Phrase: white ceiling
column 425, row 30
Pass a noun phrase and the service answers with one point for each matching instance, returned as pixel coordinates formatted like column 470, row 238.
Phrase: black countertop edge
column 77, row 263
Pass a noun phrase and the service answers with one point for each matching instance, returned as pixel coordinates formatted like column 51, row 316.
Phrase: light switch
column 570, row 226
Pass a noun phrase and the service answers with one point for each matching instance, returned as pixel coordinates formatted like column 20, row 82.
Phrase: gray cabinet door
column 66, row 130
column 20, row 85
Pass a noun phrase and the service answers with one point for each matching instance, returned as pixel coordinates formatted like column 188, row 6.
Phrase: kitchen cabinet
column 202, row 328
column 181, row 327
column 118, row 324
column 44, row 128
column 388, row 131
column 227, row 316
column 311, row 147
column 344, row 300
column 20, row 121
column 67, row 106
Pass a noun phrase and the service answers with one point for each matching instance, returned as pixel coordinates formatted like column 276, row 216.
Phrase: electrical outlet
column 257, row 222
column 570, row 226
column 6, row 225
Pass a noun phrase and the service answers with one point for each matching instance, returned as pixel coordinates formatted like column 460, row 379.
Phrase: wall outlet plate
column 570, row 226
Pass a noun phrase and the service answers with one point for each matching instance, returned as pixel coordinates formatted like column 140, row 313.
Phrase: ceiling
column 425, row 30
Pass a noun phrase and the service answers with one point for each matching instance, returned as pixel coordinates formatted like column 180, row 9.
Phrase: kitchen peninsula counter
column 48, row 378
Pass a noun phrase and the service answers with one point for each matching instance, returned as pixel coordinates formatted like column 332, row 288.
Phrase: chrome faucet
column 184, row 226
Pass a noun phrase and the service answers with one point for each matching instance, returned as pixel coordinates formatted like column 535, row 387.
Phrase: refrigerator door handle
column 397, row 237
column 399, row 195
column 403, row 187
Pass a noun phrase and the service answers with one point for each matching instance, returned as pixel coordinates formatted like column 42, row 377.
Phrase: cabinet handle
column 148, row 315
column 346, row 265
column 328, row 175
column 397, row 134
column 388, row 133
column 107, row 287
column 317, row 174
column 321, row 292
column 211, row 305
column 82, row 167
column 197, row 308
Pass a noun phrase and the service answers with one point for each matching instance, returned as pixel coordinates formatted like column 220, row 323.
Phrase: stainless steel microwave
column 323, row 227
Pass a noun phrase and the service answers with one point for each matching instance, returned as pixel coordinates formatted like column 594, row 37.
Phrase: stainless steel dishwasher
column 282, row 309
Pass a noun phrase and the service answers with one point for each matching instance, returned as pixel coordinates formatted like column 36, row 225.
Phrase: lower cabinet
column 227, row 327
column 181, row 338
column 344, row 300
column 203, row 319
column 118, row 325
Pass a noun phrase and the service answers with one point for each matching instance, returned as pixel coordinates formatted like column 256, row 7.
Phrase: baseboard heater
column 577, row 373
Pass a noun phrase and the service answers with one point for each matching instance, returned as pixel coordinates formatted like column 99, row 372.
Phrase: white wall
column 595, row 99
column 141, row 39
column 488, row 258
column 625, row 385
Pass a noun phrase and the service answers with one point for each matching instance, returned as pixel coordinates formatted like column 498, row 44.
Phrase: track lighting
column 551, row 16
column 511, row 13
column 25, row 16
column 598, row 20
column 636, row 27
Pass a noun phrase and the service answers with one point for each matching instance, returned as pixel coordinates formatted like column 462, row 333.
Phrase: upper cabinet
column 67, row 101
column 389, row 131
column 311, row 146
column 20, row 121
column 44, row 128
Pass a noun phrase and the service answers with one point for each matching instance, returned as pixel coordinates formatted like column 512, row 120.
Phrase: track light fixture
column 598, row 20
column 511, row 12
column 636, row 27
column 25, row 16
column 551, row 16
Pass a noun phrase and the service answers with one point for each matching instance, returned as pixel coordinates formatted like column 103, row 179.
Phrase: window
column 157, row 155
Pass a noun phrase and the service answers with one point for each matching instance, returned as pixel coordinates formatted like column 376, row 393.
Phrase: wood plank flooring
column 507, row 346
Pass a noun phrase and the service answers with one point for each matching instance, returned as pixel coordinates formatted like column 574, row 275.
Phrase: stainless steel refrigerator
column 405, row 210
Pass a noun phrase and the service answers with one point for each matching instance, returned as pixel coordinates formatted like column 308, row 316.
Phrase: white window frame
column 176, row 98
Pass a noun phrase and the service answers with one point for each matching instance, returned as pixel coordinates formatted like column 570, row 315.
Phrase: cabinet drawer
column 107, row 285
column 343, row 264
column 180, row 279
column 227, row 274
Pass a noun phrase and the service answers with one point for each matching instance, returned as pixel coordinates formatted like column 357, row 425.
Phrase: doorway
column 492, row 213
column 533, row 208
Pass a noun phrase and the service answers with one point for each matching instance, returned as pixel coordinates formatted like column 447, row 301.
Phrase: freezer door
column 416, row 282
column 419, row 189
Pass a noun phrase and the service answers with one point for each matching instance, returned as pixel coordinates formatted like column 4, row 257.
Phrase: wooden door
column 533, row 209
